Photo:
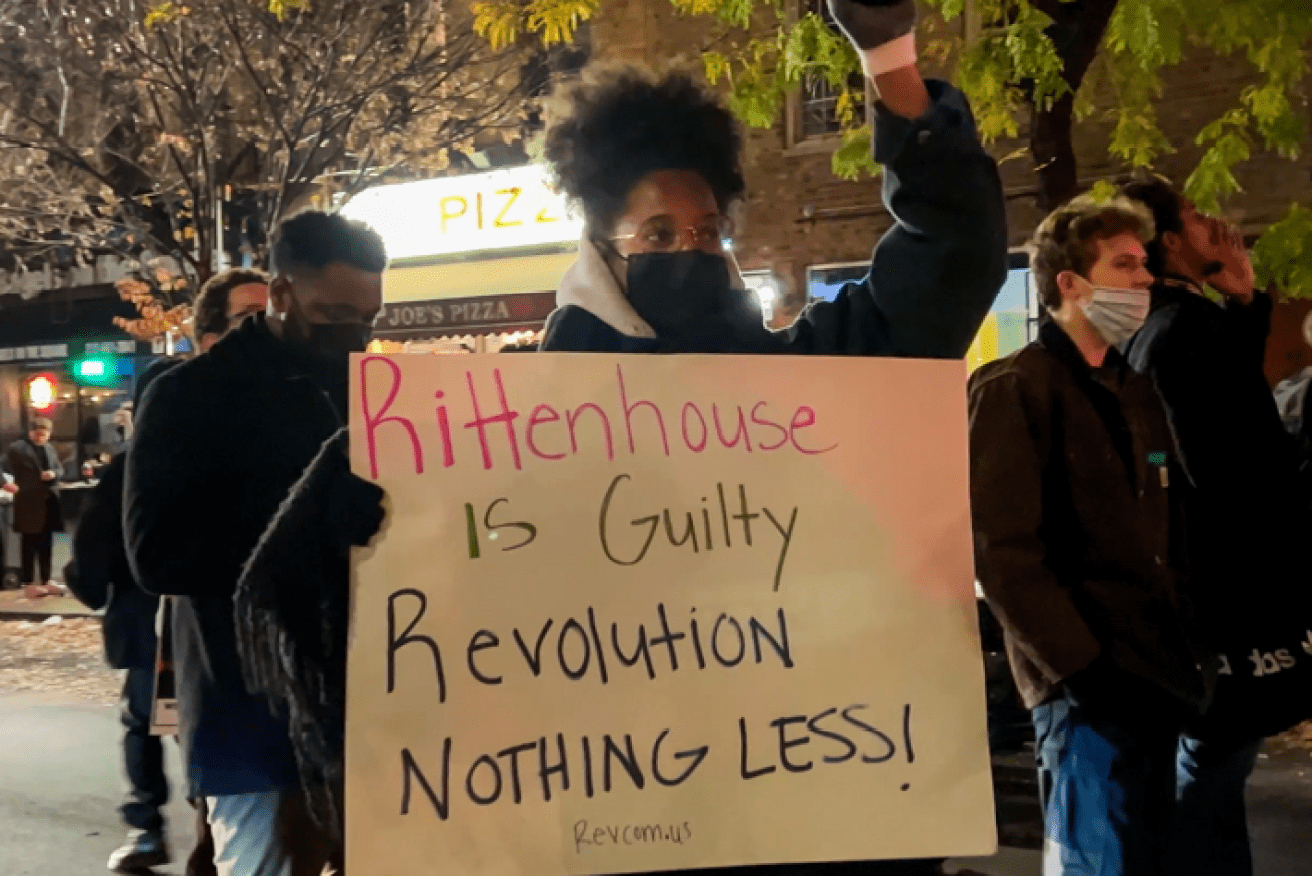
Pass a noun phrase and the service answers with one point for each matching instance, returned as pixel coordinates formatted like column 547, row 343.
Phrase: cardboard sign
column 664, row 612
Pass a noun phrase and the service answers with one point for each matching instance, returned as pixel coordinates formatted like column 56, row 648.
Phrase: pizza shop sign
column 500, row 210
column 458, row 315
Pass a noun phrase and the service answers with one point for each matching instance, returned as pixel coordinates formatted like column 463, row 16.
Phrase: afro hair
column 618, row 123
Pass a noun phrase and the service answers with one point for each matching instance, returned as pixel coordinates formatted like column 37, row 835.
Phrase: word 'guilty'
column 577, row 647
column 500, row 432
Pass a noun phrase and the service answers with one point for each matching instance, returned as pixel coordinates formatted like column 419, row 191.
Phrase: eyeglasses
column 661, row 234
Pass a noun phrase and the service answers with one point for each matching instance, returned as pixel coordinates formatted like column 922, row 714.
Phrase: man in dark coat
column 35, row 466
column 1249, row 507
column 1078, row 509
column 99, row 575
column 218, row 443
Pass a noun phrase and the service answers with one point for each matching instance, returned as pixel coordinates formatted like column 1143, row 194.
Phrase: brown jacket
column 1076, row 492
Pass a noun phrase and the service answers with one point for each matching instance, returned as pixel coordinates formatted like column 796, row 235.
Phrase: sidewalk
column 15, row 606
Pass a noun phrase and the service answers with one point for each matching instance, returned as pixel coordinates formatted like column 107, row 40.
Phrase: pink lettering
column 572, row 417
column 695, row 447
column 373, row 420
column 803, row 419
column 481, row 423
column 783, row 433
column 444, row 426
column 536, row 419
column 739, row 435
column 630, row 408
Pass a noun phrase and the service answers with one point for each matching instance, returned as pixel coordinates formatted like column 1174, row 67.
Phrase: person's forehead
column 681, row 193
column 247, row 294
column 1121, row 244
column 340, row 283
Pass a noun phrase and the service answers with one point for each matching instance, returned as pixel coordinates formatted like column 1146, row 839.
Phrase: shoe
column 143, row 850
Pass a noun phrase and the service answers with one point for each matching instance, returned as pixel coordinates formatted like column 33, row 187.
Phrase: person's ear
column 1070, row 285
column 280, row 295
column 1171, row 242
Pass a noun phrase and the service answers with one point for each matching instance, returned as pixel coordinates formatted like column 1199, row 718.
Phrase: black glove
column 1106, row 692
column 872, row 23
column 355, row 509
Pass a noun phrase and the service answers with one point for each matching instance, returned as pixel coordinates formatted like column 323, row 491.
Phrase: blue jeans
column 143, row 754
column 1108, row 794
column 1211, row 822
column 268, row 834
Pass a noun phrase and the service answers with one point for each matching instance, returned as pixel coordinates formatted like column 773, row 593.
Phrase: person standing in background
column 1080, row 549
column 1247, row 500
column 99, row 575
column 36, row 469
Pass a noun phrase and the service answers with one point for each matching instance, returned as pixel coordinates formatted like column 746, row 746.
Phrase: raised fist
column 872, row 23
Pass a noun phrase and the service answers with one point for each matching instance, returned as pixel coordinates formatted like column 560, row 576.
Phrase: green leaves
column 1214, row 177
column 1283, row 255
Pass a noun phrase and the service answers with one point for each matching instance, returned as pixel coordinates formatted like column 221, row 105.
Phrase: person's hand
column 1236, row 277
column 870, row 24
column 47, row 475
column 10, row 488
column 355, row 509
column 884, row 33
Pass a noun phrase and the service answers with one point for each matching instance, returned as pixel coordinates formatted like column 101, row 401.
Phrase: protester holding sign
column 1077, row 495
column 656, row 168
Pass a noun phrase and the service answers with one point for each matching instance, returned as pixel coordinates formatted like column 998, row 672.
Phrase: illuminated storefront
column 475, row 260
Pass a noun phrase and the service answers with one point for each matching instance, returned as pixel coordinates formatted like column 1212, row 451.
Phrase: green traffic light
column 95, row 371
column 91, row 368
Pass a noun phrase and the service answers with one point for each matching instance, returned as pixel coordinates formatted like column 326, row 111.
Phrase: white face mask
column 1117, row 314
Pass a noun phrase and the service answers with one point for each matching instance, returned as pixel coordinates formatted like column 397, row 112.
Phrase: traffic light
column 95, row 371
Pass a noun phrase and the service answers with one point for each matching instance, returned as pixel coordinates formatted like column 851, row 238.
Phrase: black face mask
column 330, row 342
column 687, row 299
column 338, row 340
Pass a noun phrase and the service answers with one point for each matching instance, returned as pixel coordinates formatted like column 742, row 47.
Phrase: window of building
column 823, row 282
column 813, row 112
column 1013, row 320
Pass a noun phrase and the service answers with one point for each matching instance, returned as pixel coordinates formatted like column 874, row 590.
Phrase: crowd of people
column 1134, row 489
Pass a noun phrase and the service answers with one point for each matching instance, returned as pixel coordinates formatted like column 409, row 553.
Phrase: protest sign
column 647, row 613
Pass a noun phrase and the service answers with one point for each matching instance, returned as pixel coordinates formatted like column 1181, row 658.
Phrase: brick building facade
column 798, row 217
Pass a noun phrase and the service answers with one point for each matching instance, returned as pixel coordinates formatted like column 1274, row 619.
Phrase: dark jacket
column 1078, row 510
column 296, row 587
column 932, row 278
column 101, row 577
column 217, row 444
column 36, row 504
column 1206, row 361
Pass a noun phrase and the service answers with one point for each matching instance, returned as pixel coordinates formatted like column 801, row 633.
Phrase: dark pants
column 36, row 552
column 143, row 754
column 1211, row 832
column 1108, row 793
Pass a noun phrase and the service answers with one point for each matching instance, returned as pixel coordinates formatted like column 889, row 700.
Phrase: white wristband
column 892, row 55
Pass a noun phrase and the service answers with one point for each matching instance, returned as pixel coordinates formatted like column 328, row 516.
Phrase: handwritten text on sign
column 642, row 613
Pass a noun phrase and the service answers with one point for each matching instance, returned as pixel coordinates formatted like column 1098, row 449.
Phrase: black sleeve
column 98, row 551
column 169, row 475
column 1249, row 327
column 935, row 273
